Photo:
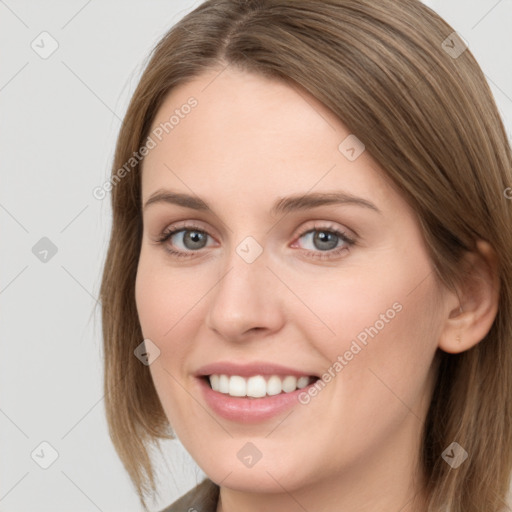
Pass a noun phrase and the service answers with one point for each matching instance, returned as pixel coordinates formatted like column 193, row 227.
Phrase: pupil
column 323, row 236
column 195, row 237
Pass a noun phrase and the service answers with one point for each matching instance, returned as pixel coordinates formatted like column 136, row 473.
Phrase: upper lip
column 250, row 369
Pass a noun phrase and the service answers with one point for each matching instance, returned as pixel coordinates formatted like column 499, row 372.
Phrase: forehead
column 240, row 134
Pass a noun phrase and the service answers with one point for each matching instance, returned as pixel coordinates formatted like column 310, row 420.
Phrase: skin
column 354, row 446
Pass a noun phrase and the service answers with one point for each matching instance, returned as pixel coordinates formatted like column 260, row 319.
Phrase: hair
column 429, row 119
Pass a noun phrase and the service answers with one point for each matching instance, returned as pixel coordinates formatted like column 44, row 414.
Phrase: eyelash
column 322, row 255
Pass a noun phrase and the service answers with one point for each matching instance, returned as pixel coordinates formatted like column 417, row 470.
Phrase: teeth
column 289, row 384
column 302, row 382
column 237, row 386
column 257, row 386
column 274, row 385
column 214, row 380
column 223, row 384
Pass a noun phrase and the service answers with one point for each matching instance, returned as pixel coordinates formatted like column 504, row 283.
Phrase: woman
column 374, row 373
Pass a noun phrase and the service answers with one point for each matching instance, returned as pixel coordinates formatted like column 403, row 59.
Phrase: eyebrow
column 283, row 205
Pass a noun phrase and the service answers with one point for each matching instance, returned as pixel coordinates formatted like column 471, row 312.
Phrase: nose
column 246, row 300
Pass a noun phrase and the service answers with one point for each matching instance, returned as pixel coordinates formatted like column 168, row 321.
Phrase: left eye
column 324, row 240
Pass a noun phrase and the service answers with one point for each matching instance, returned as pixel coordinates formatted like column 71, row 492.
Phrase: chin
column 231, row 466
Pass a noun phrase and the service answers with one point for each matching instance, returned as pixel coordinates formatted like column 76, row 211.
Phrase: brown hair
column 427, row 116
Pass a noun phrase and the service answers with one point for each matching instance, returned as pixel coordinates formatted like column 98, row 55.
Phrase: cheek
column 162, row 310
column 165, row 298
column 148, row 298
column 377, row 362
column 378, row 332
column 169, row 311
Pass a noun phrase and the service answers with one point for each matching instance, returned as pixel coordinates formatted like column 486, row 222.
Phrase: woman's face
column 272, row 279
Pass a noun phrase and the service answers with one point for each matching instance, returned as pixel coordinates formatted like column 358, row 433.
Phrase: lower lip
column 246, row 409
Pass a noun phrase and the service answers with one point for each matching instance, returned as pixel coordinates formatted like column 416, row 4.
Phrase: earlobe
column 470, row 312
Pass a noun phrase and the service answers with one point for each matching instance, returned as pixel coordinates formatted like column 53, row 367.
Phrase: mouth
column 257, row 386
column 252, row 392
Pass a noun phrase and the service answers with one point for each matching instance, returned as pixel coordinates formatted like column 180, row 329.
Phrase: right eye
column 191, row 238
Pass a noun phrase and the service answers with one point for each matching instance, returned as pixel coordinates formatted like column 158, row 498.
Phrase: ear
column 471, row 310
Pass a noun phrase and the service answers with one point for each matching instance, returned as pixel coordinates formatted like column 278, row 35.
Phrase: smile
column 257, row 386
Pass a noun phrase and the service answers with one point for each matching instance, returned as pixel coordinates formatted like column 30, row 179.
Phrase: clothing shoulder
column 202, row 498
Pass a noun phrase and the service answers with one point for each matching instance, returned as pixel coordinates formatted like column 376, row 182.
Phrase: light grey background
column 58, row 124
